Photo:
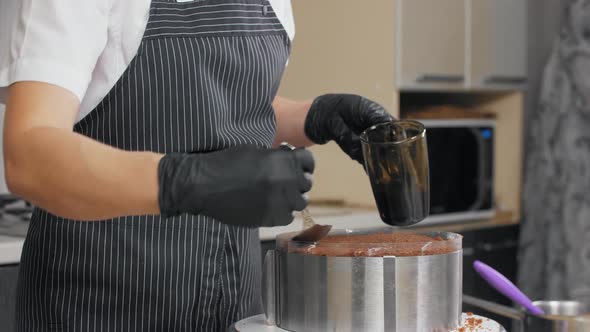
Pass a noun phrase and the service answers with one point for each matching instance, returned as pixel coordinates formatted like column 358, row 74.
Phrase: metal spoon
column 311, row 232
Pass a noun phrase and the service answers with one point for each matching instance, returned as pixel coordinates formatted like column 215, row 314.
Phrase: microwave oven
column 461, row 163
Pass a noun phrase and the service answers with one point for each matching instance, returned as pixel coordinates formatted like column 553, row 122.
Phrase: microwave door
column 460, row 169
column 483, row 172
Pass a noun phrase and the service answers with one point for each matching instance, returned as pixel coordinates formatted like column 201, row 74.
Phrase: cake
column 377, row 245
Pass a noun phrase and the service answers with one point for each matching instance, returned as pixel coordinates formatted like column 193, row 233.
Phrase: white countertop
column 10, row 249
column 339, row 218
column 346, row 217
column 11, row 246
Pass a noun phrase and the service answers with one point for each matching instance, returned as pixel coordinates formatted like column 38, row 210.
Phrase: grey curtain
column 555, row 240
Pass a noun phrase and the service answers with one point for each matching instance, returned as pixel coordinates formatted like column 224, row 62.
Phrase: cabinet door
column 498, row 43
column 430, row 44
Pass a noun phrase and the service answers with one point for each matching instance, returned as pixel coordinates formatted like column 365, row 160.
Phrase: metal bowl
column 560, row 316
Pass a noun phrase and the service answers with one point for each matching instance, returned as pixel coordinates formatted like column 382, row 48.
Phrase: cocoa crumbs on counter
column 471, row 324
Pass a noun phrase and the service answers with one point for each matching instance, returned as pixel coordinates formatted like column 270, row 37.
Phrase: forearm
column 290, row 116
column 75, row 177
column 66, row 173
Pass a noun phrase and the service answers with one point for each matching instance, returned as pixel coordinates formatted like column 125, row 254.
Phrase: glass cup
column 396, row 160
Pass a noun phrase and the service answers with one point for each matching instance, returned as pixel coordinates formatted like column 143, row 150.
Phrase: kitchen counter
column 340, row 217
column 10, row 249
column 343, row 217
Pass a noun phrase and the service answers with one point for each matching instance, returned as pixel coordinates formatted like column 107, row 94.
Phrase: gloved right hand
column 242, row 186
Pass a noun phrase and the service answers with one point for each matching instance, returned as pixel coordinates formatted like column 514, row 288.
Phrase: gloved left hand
column 342, row 118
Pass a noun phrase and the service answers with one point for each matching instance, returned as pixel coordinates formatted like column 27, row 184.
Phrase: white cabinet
column 460, row 44
column 430, row 43
column 497, row 43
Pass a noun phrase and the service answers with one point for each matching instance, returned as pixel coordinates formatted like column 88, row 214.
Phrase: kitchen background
column 477, row 56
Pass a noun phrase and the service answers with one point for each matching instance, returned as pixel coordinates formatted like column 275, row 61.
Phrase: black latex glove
column 243, row 186
column 342, row 118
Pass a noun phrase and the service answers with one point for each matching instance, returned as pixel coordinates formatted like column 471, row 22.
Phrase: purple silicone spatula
column 506, row 287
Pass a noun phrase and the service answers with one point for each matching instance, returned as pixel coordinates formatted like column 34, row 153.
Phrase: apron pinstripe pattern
column 204, row 79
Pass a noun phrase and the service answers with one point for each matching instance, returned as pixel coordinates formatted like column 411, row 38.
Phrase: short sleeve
column 56, row 42
column 284, row 13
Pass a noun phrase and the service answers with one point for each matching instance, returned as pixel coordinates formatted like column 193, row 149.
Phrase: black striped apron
column 203, row 79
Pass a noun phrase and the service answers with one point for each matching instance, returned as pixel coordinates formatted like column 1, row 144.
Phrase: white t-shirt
column 82, row 46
